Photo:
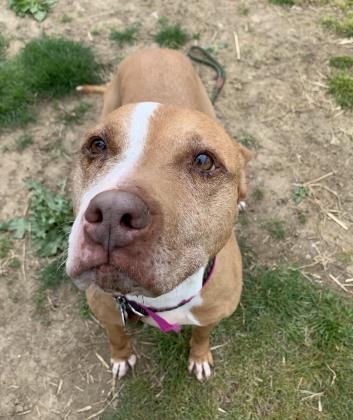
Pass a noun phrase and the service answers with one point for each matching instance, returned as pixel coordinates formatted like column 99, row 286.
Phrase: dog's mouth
column 113, row 280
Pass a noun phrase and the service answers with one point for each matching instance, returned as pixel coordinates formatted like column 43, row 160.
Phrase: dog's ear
column 242, row 188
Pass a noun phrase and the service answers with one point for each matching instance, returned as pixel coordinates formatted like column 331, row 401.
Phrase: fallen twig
column 334, row 218
column 236, row 42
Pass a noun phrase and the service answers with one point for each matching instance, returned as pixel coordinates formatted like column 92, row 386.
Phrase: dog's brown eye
column 98, row 146
column 204, row 162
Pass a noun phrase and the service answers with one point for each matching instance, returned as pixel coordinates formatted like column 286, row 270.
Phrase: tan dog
column 155, row 195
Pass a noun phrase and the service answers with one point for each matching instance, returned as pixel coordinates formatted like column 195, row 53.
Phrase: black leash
column 200, row 55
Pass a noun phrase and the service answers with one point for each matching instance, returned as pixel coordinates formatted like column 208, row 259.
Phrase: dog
column 155, row 194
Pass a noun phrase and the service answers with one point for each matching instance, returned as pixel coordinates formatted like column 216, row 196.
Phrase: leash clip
column 122, row 304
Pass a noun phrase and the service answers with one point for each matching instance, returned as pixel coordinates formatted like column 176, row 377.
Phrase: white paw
column 120, row 367
column 241, row 205
column 202, row 370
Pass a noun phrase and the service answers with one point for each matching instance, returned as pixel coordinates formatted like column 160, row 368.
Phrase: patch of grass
column 55, row 147
column 258, row 193
column 276, row 228
column 15, row 95
column 5, row 246
column 39, row 9
column 74, row 115
column 23, row 142
column 14, row 263
column 288, row 337
column 343, row 27
column 345, row 257
column 308, row 57
column 302, row 217
column 95, row 32
column 48, row 221
column 171, row 36
column 83, row 307
column 243, row 219
column 299, row 193
column 46, row 67
column 216, row 47
column 248, row 140
column 343, row 62
column 341, row 87
column 3, row 47
column 243, row 10
column 40, row 299
column 51, row 276
column 283, row 2
column 126, row 36
column 58, row 65
column 65, row 18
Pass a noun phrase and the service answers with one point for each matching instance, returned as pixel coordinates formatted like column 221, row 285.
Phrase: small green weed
column 126, row 36
column 74, row 115
column 282, row 2
column 345, row 257
column 49, row 218
column 39, row 9
column 300, row 192
column 302, row 217
column 243, row 219
column 342, row 27
column 51, row 276
column 215, row 48
column 46, row 67
column 248, row 140
column 83, row 307
column 23, row 142
column 65, row 18
column 276, row 228
column 171, row 36
column 5, row 246
column 55, row 147
column 343, row 62
column 258, row 193
column 243, row 10
column 341, row 87
column 39, row 299
column 14, row 263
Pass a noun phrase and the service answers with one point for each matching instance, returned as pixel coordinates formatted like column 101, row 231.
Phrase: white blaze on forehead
column 135, row 142
column 136, row 135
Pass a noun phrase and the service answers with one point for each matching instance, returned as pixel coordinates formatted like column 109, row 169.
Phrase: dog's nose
column 116, row 218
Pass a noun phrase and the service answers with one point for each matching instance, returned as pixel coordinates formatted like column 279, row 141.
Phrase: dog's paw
column 202, row 367
column 121, row 366
column 241, row 205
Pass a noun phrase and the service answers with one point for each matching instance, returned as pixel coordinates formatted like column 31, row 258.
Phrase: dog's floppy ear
column 242, row 188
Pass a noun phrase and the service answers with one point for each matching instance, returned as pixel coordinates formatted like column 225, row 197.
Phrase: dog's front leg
column 104, row 308
column 200, row 358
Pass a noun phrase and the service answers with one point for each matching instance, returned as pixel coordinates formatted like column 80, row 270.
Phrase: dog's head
column 155, row 195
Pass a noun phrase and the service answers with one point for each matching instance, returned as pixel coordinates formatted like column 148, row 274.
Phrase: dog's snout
column 116, row 218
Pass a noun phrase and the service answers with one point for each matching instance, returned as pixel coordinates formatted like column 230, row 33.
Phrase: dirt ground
column 49, row 367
